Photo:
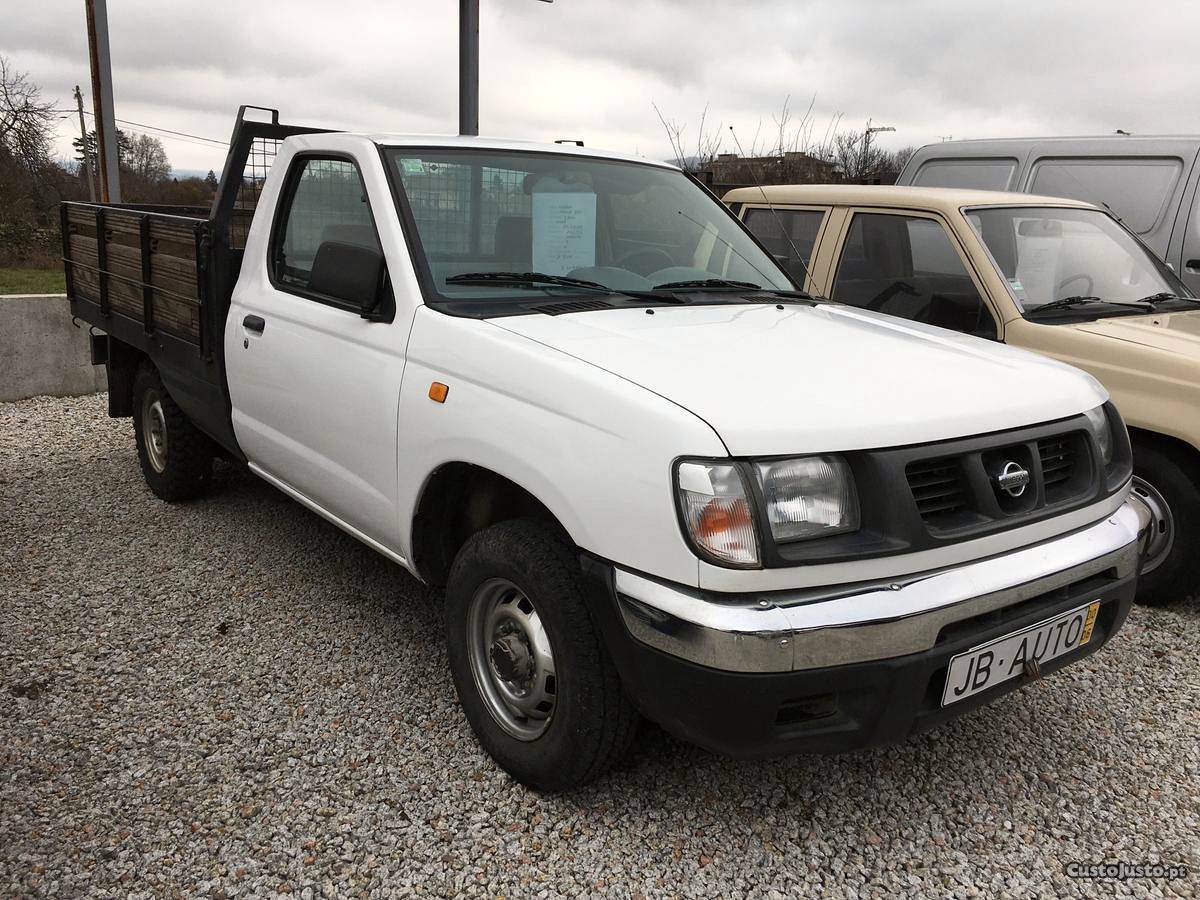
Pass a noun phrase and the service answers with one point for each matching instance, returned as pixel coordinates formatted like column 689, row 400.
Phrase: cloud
column 589, row 69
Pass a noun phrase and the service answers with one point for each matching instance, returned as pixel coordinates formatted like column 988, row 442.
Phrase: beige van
column 1059, row 277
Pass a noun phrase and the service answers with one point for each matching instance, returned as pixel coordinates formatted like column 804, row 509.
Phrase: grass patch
column 32, row 281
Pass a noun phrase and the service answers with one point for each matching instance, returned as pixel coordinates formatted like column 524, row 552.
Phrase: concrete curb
column 41, row 352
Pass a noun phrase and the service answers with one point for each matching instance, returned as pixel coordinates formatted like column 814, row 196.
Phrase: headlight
column 716, row 512
column 808, row 497
column 1102, row 431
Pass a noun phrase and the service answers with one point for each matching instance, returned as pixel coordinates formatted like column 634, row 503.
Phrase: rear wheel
column 175, row 456
column 532, row 673
column 1168, row 483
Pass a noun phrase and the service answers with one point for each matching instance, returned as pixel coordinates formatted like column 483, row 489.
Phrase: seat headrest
column 514, row 239
column 356, row 235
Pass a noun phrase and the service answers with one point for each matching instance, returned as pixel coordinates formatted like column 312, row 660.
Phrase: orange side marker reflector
column 438, row 392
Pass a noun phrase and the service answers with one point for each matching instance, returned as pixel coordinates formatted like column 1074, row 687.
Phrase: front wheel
column 532, row 674
column 1169, row 485
column 176, row 457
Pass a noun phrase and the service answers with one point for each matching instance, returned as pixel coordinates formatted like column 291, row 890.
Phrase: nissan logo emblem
column 1013, row 479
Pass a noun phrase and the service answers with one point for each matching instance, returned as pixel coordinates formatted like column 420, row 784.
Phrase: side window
column 981, row 174
column 325, row 204
column 1137, row 190
column 908, row 267
column 780, row 229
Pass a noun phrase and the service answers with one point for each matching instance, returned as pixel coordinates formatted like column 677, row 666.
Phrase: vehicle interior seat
column 355, row 235
column 514, row 241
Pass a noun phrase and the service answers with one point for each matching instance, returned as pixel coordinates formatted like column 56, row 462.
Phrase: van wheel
column 532, row 674
column 176, row 457
column 1169, row 484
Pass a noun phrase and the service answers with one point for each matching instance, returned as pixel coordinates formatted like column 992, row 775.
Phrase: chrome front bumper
column 792, row 631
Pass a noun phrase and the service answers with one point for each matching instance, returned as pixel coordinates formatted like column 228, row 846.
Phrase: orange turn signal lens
column 717, row 512
column 438, row 392
column 724, row 520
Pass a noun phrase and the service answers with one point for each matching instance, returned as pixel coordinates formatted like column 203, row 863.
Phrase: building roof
column 944, row 199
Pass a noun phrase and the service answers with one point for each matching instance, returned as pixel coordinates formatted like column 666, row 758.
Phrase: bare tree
column 898, row 159
column 856, row 157
column 708, row 143
column 786, row 150
column 147, row 158
column 26, row 121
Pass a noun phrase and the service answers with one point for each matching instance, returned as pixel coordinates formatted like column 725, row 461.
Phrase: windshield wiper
column 1088, row 300
column 1165, row 296
column 725, row 284
column 710, row 284
column 523, row 278
column 518, row 279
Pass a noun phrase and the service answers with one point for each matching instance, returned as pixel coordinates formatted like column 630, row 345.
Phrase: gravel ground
column 233, row 698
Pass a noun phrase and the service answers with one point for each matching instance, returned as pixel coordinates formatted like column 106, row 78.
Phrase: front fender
column 595, row 449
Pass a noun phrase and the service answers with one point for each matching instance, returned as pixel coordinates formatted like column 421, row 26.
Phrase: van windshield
column 615, row 225
column 1052, row 254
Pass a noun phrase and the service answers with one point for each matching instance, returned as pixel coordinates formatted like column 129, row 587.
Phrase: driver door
column 907, row 264
column 314, row 383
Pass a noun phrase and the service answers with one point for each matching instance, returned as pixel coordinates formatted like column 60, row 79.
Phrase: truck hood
column 1177, row 332
column 806, row 379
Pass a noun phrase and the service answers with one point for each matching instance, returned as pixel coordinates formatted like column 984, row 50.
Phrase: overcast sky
column 590, row 69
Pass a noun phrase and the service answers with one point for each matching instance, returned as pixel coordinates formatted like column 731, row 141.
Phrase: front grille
column 964, row 490
column 1059, row 457
column 939, row 489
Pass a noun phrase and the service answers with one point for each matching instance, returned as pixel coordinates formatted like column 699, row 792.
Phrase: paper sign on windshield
column 564, row 231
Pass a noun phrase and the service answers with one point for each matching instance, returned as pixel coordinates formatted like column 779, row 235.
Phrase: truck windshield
column 485, row 217
column 1073, row 261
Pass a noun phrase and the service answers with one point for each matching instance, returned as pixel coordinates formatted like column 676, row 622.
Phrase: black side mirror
column 352, row 273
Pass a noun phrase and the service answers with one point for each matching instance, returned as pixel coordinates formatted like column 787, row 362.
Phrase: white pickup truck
column 653, row 476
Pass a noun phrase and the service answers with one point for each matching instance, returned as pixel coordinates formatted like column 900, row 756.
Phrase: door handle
column 1193, row 265
column 254, row 323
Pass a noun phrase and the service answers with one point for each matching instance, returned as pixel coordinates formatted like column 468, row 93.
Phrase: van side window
column 774, row 228
column 1137, row 190
column 325, row 202
column 908, row 266
column 979, row 174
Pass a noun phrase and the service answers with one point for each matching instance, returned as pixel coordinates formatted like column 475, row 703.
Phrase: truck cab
column 653, row 476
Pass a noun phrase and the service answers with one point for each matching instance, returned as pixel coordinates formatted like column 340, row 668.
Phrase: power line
column 178, row 134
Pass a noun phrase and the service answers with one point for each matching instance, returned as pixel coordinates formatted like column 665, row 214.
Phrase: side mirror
column 352, row 273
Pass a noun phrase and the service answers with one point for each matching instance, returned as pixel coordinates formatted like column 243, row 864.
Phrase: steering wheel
column 1091, row 284
column 650, row 254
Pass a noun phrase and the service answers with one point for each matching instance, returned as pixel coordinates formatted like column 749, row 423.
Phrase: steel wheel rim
column 154, row 431
column 1162, row 527
column 511, row 659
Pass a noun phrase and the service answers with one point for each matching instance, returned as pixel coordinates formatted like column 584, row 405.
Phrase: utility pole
column 102, row 101
column 88, row 171
column 468, row 66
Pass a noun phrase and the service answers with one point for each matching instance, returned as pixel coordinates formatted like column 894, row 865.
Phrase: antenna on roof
column 778, row 221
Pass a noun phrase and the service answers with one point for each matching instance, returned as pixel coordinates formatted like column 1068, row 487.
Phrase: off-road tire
column 593, row 721
column 180, row 469
column 1176, row 477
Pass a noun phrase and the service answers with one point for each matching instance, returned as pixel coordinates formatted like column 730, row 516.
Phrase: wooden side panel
column 174, row 266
